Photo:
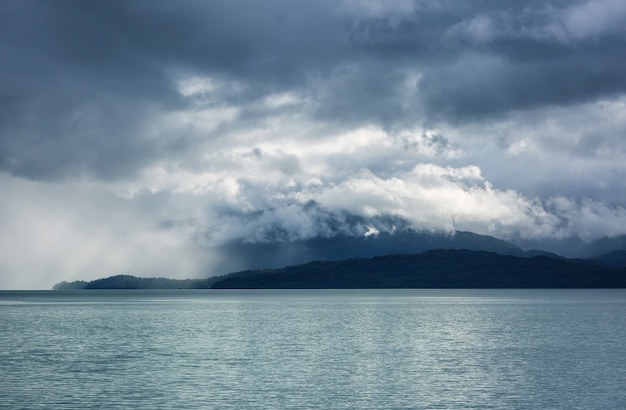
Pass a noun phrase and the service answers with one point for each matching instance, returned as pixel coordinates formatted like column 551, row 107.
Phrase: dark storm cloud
column 481, row 59
column 76, row 92
column 486, row 84
column 80, row 80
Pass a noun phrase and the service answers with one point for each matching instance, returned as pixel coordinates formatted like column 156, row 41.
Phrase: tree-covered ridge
column 133, row 282
column 434, row 269
column 431, row 269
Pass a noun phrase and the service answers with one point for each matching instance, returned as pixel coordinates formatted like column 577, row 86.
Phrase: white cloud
column 194, row 86
column 519, row 147
column 282, row 99
column 557, row 150
column 587, row 219
column 196, row 121
column 377, row 8
column 371, row 231
column 580, row 21
column 594, row 18
column 480, row 29
column 433, row 197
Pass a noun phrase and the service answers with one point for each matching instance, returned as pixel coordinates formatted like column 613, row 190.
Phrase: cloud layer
column 134, row 136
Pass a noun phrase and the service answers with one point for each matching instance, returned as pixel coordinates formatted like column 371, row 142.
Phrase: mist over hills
column 242, row 255
column 401, row 259
column 332, row 237
column 603, row 246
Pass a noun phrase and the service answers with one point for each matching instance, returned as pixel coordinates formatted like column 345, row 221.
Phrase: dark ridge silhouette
column 133, row 282
column 433, row 269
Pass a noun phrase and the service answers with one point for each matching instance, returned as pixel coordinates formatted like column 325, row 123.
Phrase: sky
column 138, row 136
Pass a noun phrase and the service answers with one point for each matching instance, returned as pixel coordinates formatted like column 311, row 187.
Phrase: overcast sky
column 136, row 135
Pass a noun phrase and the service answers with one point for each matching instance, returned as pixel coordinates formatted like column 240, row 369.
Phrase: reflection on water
column 313, row 349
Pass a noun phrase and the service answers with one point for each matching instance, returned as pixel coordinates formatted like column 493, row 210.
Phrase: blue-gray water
column 378, row 349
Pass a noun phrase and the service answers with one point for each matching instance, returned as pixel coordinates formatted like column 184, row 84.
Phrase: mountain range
column 242, row 255
column 402, row 259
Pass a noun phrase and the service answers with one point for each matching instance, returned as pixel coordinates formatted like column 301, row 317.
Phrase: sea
column 313, row 349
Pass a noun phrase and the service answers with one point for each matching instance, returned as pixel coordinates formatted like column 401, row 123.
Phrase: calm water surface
column 379, row 349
